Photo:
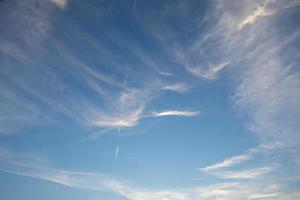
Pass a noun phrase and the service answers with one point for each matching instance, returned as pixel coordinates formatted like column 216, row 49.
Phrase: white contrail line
column 125, row 66
column 117, row 152
column 124, row 88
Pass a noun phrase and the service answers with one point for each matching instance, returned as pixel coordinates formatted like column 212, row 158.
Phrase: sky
column 149, row 100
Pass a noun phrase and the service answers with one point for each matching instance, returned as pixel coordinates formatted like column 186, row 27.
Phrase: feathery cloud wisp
column 228, row 162
column 178, row 113
column 126, row 120
column 210, row 73
column 250, row 19
column 243, row 174
column 60, row 3
column 178, row 87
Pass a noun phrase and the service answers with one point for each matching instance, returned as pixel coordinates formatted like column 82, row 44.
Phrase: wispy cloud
column 251, row 189
column 266, row 86
column 262, row 149
column 263, row 196
column 231, row 168
column 210, row 73
column 88, row 93
column 244, row 174
column 131, row 119
column 178, row 113
column 250, row 19
column 178, row 87
column 228, row 162
column 126, row 120
column 265, row 83
column 60, row 3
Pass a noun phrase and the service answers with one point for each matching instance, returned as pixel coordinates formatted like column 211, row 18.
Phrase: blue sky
column 144, row 100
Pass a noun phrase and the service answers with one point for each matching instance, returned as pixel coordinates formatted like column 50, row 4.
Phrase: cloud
column 15, row 111
column 262, row 149
column 210, row 73
column 228, row 162
column 30, row 24
column 126, row 120
column 31, row 166
column 268, row 90
column 244, row 174
column 178, row 87
column 250, row 19
column 263, row 196
column 131, row 119
column 73, row 87
column 265, row 76
column 178, row 113
column 251, row 184
column 265, row 83
column 236, row 167
column 60, row 3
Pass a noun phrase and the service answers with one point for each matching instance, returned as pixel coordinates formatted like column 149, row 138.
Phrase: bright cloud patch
column 177, row 113
column 60, row 3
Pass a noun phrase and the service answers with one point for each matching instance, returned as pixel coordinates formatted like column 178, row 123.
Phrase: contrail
column 124, row 88
column 117, row 152
column 126, row 75
column 133, row 11
column 125, row 66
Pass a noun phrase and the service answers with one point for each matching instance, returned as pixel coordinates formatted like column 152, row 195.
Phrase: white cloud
column 178, row 87
column 15, row 111
column 262, row 149
column 263, row 196
column 210, row 73
column 255, row 187
column 178, row 113
column 235, row 167
column 227, row 162
column 60, row 3
column 126, row 120
column 250, row 19
column 269, row 93
column 243, row 174
column 267, row 90
column 266, row 78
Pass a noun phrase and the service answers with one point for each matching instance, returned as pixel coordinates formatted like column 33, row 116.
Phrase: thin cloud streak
column 178, row 113
column 210, row 73
column 132, row 119
column 126, row 120
column 178, row 87
column 262, row 149
column 244, row 174
column 228, row 162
